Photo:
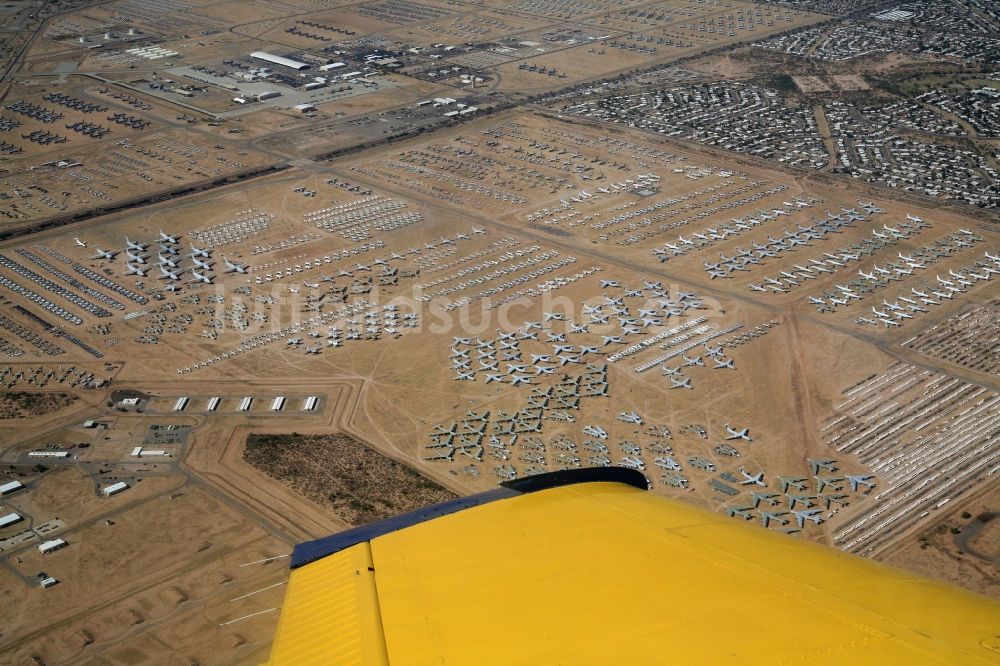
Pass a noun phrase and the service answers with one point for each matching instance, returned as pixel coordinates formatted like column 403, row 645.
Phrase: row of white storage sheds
column 245, row 404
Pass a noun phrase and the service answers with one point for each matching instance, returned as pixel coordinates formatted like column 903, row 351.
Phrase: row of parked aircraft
column 832, row 262
column 169, row 259
column 791, row 484
column 803, row 235
column 891, row 312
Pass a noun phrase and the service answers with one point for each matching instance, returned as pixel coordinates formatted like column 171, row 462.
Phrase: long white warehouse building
column 115, row 488
column 49, row 546
column 279, row 60
column 12, row 487
column 10, row 519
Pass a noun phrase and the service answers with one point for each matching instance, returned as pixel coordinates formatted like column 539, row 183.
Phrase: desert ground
column 272, row 324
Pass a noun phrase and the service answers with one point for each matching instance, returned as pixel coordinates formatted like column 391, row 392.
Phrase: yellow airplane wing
column 585, row 567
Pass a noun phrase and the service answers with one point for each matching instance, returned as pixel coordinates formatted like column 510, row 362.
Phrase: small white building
column 245, row 404
column 114, row 488
column 213, row 403
column 129, row 402
column 278, row 404
column 181, row 404
column 310, row 403
column 48, row 454
column 47, row 547
column 47, row 581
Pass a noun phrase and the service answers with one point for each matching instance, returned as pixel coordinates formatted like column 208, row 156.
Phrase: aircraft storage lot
column 687, row 277
column 125, row 146
column 482, row 348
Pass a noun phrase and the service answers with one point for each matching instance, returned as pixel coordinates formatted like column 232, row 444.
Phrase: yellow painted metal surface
column 331, row 614
column 603, row 573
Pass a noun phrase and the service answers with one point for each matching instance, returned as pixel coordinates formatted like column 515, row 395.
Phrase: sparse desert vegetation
column 22, row 404
column 357, row 482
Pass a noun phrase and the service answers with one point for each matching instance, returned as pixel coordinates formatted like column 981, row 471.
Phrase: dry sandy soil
column 962, row 549
column 188, row 565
